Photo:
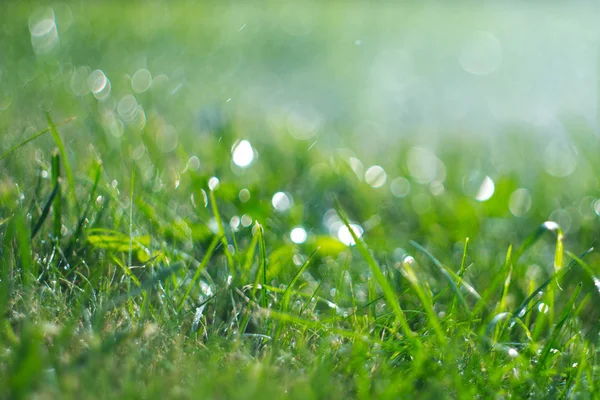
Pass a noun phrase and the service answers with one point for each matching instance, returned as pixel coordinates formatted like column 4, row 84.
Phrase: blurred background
column 443, row 121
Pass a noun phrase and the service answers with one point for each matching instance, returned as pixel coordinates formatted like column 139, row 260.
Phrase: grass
column 128, row 271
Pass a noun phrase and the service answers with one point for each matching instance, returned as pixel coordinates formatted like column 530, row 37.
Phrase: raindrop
column 597, row 207
column 543, row 308
column 98, row 84
column 519, row 202
column 281, row 201
column 244, row 195
column 42, row 26
column 486, row 190
column 141, row 81
column 194, row 163
column 234, row 222
column 246, row 220
column 400, row 187
column 375, row 176
column 424, row 166
column 345, row 236
column 243, row 153
column 560, row 159
column 213, row 183
column 127, row 107
column 513, row 353
column 298, row 235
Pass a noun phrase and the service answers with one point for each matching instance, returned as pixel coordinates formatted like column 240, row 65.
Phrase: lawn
column 263, row 199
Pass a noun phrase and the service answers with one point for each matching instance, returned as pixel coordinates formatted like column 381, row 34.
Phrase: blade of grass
column 520, row 311
column 63, row 153
column 45, row 211
column 567, row 311
column 37, row 135
column 57, row 206
column 411, row 276
column 445, row 273
column 209, row 252
column 388, row 292
column 221, row 231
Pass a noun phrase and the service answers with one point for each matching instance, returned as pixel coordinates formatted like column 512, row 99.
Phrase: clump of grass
column 101, row 302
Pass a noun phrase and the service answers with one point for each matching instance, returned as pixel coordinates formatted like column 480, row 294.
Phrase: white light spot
column 375, row 176
column 597, row 207
column 560, row 159
column 243, row 154
column 513, row 353
column 281, row 201
column 194, row 163
column 234, row 222
column 98, row 84
column 543, row 308
column 213, row 183
column 424, row 166
column 244, row 195
column 141, row 81
column 298, row 235
column 481, row 54
column 127, row 107
column 345, row 236
column 519, row 202
column 246, row 220
column 486, row 190
column 400, row 187
column 437, row 188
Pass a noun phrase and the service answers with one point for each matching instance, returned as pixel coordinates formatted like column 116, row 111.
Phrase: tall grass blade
column 45, row 210
column 29, row 139
column 199, row 269
column 63, row 153
column 388, row 292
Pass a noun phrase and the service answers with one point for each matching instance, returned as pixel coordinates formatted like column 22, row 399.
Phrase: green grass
column 126, row 272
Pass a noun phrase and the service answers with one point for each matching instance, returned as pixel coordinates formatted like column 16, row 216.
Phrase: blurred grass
column 119, row 287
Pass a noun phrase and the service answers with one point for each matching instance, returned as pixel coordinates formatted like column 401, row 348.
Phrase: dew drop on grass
column 520, row 202
column 486, row 190
column 375, row 176
column 400, row 187
column 242, row 153
column 345, row 236
column 213, row 183
column 298, row 235
column 234, row 222
column 246, row 220
column 141, row 80
column 281, row 201
column 244, row 195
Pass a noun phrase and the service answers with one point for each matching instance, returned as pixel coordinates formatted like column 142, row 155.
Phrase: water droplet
column 281, row 201
column 242, row 153
column 486, row 190
column 345, row 236
column 244, row 195
column 98, row 84
column 298, row 235
column 400, row 187
column 246, row 220
column 375, row 176
column 519, row 202
column 213, row 183
column 141, row 81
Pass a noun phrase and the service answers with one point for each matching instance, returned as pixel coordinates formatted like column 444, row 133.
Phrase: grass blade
column 389, row 294
column 63, row 153
column 45, row 210
column 37, row 135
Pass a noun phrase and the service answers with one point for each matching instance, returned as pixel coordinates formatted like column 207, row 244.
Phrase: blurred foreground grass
column 167, row 235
